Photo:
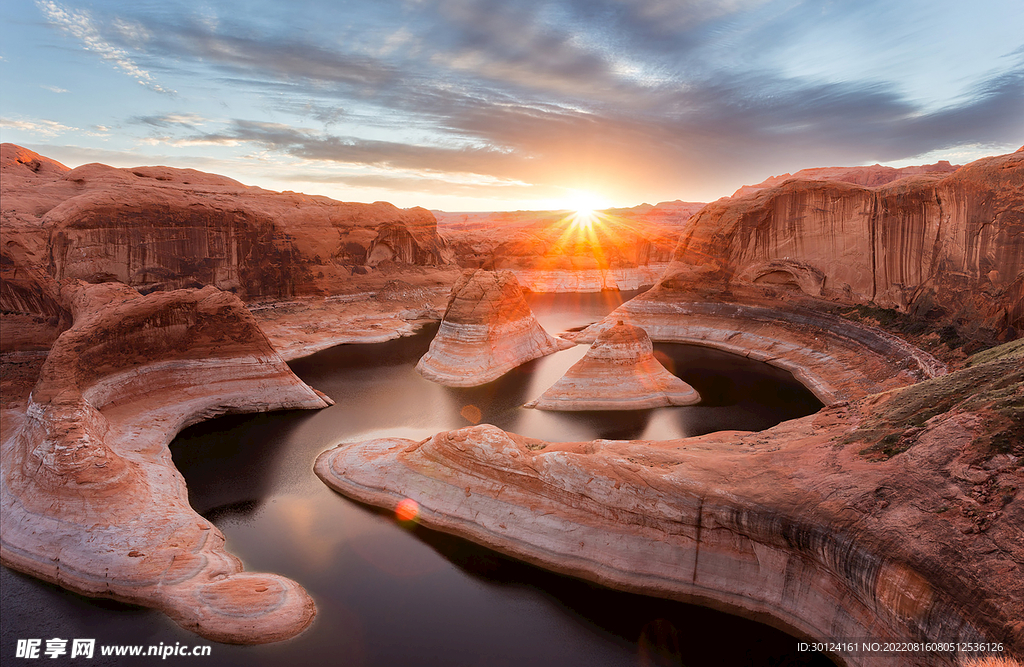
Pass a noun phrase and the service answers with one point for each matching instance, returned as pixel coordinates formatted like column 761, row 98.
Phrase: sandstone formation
column 618, row 372
column 487, row 330
column 946, row 249
column 314, row 271
column 90, row 499
column 562, row 251
column 838, row 360
column 159, row 228
column 896, row 517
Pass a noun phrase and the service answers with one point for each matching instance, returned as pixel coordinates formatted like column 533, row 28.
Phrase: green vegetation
column 993, row 386
column 1011, row 350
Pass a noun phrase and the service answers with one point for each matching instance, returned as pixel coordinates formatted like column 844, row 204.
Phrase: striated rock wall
column 88, row 456
column 158, row 228
column 800, row 526
column 835, row 358
column 618, row 372
column 487, row 330
column 947, row 248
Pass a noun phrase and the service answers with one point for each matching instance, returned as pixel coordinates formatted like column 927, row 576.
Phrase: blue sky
column 512, row 104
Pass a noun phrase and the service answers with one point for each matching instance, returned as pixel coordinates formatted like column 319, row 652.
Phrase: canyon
column 138, row 301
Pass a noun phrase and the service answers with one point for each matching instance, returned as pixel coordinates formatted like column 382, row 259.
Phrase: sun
column 586, row 202
column 584, row 218
column 586, row 207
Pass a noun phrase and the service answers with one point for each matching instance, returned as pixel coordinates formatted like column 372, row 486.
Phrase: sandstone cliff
column 89, row 497
column 948, row 249
column 158, row 228
column 487, row 330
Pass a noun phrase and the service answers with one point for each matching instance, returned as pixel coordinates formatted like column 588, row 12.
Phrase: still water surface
column 391, row 596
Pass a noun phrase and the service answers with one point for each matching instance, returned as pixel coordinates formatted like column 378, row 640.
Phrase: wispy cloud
column 164, row 120
column 44, row 128
column 308, row 144
column 54, row 89
column 81, row 26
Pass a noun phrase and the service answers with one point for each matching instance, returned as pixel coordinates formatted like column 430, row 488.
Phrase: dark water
column 388, row 595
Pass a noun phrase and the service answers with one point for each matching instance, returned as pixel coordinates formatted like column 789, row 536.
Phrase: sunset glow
column 481, row 105
column 585, row 218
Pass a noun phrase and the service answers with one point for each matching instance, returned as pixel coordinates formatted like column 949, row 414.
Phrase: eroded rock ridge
column 618, row 372
column 487, row 330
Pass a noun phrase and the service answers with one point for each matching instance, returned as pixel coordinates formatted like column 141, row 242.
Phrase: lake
column 388, row 595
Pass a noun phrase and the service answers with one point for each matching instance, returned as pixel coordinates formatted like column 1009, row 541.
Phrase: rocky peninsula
column 88, row 457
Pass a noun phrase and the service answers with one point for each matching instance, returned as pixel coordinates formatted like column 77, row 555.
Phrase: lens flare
column 407, row 510
column 472, row 414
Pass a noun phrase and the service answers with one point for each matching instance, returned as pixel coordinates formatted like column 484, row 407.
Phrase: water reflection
column 608, row 425
column 394, row 594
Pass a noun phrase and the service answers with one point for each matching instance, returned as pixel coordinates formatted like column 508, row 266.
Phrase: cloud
column 640, row 97
column 54, row 89
column 46, row 128
column 81, row 26
column 424, row 184
column 183, row 119
column 310, row 145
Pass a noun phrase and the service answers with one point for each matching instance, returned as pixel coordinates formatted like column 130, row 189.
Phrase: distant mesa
column 619, row 372
column 869, row 176
column 487, row 330
column 549, row 251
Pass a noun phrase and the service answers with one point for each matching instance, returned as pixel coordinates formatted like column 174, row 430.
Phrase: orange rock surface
column 835, row 358
column 487, row 330
column 949, row 248
column 618, row 372
column 89, row 497
column 869, row 176
column 896, row 517
column 160, row 228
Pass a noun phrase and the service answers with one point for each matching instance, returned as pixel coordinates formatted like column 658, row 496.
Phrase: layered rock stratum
column 316, row 272
column 487, row 330
column 944, row 248
column 158, row 228
column 895, row 517
column 618, row 372
column 89, row 497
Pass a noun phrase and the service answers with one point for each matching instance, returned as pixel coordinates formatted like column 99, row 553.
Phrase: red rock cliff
column 943, row 247
column 158, row 228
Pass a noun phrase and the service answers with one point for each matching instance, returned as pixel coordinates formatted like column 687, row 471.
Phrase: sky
column 477, row 105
